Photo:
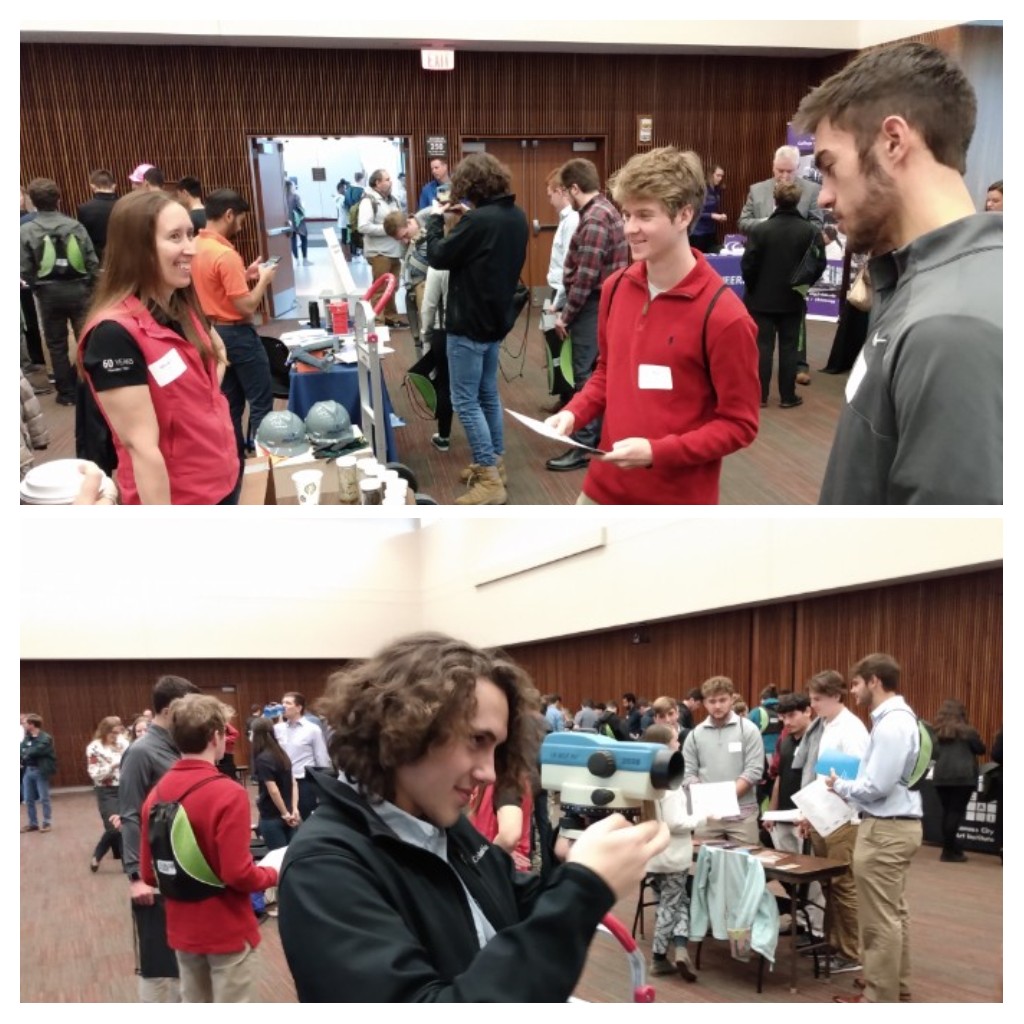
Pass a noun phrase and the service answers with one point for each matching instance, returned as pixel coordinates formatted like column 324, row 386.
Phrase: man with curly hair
column 389, row 894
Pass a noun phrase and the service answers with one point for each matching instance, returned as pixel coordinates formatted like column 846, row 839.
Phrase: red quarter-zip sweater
column 219, row 813
column 707, row 411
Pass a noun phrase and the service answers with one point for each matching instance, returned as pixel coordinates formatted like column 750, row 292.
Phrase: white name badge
column 654, row 378
column 735, row 747
column 168, row 368
column 856, row 376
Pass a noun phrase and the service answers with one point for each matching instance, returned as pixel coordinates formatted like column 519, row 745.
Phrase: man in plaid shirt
column 597, row 249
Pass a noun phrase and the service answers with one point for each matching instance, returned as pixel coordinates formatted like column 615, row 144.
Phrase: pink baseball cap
column 137, row 175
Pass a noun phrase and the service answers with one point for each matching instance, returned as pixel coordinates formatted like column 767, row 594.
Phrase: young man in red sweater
column 214, row 937
column 677, row 369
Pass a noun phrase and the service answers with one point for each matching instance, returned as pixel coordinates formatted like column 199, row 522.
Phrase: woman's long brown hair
column 131, row 268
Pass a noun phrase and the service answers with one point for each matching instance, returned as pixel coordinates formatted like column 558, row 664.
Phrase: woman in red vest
column 155, row 365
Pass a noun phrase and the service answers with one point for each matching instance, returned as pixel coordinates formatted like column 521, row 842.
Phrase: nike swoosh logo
column 879, row 340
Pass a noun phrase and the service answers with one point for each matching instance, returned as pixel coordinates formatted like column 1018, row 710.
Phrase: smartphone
column 272, row 262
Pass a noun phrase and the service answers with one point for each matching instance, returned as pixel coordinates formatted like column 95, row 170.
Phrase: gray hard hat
column 328, row 422
column 282, row 433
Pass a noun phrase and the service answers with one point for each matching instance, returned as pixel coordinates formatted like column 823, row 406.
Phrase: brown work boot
column 467, row 475
column 485, row 488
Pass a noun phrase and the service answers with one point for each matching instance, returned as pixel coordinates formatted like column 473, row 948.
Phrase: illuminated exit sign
column 438, row 60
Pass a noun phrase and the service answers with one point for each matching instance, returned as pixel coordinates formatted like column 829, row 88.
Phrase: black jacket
column 485, row 253
column 956, row 761
column 366, row 917
column 774, row 249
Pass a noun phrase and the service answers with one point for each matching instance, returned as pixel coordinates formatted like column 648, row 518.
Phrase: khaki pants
column 785, row 837
column 843, row 934
column 743, row 830
column 159, row 990
column 218, row 977
column 881, row 860
column 380, row 265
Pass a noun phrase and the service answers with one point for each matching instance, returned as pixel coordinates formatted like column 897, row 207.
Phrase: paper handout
column 714, row 799
column 545, row 431
column 822, row 808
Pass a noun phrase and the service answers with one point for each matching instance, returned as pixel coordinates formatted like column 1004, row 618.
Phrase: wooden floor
column 76, row 936
column 784, row 465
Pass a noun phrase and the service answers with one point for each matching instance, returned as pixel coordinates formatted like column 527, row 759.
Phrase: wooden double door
column 531, row 160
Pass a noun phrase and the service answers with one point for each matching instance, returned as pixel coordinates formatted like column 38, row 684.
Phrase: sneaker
column 958, row 857
column 29, row 828
column 841, row 965
column 442, row 444
column 485, row 488
column 44, row 828
column 661, row 965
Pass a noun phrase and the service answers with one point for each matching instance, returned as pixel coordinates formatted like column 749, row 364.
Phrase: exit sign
column 438, row 60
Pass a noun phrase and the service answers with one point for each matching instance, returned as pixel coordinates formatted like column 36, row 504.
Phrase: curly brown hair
column 480, row 176
column 415, row 694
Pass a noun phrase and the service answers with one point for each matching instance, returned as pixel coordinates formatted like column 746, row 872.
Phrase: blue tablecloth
column 340, row 383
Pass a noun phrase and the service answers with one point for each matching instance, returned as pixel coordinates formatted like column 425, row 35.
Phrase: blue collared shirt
column 880, row 788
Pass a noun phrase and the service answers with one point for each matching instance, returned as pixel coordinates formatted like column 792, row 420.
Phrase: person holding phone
column 223, row 286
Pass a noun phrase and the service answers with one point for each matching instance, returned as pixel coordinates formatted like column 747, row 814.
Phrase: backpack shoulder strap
column 195, row 785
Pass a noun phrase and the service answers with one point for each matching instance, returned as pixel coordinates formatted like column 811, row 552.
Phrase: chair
column 642, row 903
column 277, row 353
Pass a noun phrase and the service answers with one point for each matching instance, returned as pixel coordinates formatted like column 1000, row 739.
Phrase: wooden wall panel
column 190, row 109
column 72, row 696
column 945, row 632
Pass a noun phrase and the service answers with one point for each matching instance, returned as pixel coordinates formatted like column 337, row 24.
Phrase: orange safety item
column 389, row 283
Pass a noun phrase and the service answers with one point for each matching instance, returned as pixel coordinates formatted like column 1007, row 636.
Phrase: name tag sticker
column 856, row 376
column 168, row 368
column 654, row 378
column 735, row 747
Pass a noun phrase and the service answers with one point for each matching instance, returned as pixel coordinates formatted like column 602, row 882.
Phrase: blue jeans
column 473, row 370
column 247, row 379
column 36, row 786
column 275, row 833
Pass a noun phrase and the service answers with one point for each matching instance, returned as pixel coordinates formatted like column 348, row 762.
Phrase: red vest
column 197, row 438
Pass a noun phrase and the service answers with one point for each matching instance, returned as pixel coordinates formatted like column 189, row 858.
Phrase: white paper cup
column 58, row 483
column 307, row 485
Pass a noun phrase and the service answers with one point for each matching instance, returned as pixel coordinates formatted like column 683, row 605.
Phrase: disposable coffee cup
column 307, row 485
column 58, row 483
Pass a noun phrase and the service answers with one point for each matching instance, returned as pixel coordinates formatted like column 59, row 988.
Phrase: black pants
column 106, row 800
column 584, row 361
column 787, row 326
column 434, row 365
column 60, row 303
column 33, row 339
column 954, row 800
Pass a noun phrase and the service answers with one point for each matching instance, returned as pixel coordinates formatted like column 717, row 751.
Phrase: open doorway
column 315, row 165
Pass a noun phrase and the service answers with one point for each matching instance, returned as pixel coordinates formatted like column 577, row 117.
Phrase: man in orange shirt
column 222, row 281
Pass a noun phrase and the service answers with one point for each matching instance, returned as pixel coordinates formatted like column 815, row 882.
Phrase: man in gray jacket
column 760, row 204
column 144, row 763
column 924, row 403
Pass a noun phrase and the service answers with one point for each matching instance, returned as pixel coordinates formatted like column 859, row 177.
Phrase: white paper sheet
column 822, row 808
column 545, row 431
column 714, row 800
column 787, row 817
column 274, row 858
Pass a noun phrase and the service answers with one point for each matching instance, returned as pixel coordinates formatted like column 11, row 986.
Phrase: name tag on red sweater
column 168, row 368
column 654, row 378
